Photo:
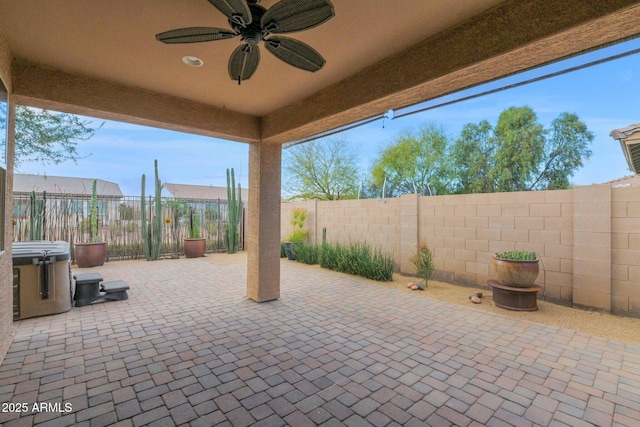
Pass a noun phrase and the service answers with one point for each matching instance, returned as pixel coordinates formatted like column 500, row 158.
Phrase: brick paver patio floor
column 187, row 348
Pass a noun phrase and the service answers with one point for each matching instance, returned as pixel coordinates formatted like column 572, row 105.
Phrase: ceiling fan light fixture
column 254, row 24
column 192, row 61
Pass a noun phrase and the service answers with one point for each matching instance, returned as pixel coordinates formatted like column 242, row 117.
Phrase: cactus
column 324, row 236
column 231, row 238
column 152, row 232
column 36, row 217
column 93, row 214
column 144, row 227
column 157, row 219
column 194, row 224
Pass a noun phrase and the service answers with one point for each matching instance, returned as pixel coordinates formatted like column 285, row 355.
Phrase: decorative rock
column 414, row 287
column 410, row 284
column 475, row 300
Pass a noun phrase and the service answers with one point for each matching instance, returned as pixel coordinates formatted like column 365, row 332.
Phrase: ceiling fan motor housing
column 252, row 33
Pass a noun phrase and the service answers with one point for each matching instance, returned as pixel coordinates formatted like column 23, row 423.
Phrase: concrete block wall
column 625, row 250
column 374, row 221
column 285, row 218
column 592, row 247
column 464, row 231
column 588, row 238
column 377, row 222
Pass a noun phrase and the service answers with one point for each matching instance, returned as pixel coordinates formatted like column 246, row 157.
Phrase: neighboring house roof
column 201, row 192
column 629, row 138
column 625, row 181
column 23, row 183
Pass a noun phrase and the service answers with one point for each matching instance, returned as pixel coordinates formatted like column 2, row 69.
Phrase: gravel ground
column 618, row 328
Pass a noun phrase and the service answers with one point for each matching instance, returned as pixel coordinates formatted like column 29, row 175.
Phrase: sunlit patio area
column 188, row 348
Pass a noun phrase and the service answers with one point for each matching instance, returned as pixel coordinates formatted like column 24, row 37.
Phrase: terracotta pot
column 194, row 248
column 514, row 273
column 90, row 254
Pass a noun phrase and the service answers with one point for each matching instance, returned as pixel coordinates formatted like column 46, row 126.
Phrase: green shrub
column 283, row 253
column 298, row 219
column 423, row 260
column 358, row 259
column 297, row 236
column 381, row 267
column 328, row 256
column 306, row 253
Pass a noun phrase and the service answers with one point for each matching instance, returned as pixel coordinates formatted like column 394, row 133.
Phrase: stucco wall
column 587, row 238
column 6, row 281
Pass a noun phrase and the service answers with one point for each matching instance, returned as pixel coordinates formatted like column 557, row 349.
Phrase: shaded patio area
column 188, row 348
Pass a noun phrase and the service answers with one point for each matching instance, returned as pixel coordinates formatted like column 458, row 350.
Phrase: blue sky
column 604, row 96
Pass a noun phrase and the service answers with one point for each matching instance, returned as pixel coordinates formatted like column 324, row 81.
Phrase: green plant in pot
column 517, row 269
column 94, row 252
column 195, row 244
column 298, row 235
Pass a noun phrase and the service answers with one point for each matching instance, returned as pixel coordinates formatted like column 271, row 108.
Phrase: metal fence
column 119, row 223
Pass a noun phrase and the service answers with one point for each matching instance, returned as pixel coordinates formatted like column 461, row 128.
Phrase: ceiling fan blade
column 296, row 15
column 243, row 62
column 236, row 10
column 194, row 35
column 295, row 53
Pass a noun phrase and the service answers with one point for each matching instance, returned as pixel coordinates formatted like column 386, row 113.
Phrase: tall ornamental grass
column 357, row 258
column 306, row 253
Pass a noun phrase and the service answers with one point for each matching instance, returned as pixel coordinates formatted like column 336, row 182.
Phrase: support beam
column 263, row 260
column 511, row 37
column 38, row 86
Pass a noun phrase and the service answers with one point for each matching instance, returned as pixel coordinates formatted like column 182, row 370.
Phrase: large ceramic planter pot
column 194, row 248
column 90, row 254
column 288, row 249
column 516, row 273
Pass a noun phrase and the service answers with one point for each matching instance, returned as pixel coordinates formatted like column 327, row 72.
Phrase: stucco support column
column 263, row 252
column 6, row 262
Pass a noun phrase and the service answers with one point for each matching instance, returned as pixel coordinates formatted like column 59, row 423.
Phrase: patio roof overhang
column 101, row 59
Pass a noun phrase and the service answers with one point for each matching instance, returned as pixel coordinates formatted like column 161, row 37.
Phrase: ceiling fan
column 253, row 24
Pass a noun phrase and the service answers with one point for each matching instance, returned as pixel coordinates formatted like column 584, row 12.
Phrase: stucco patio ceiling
column 101, row 58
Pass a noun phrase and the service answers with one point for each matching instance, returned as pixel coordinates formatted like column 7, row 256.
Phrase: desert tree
column 323, row 169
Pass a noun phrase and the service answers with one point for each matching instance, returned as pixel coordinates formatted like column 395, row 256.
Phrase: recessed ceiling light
column 192, row 61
